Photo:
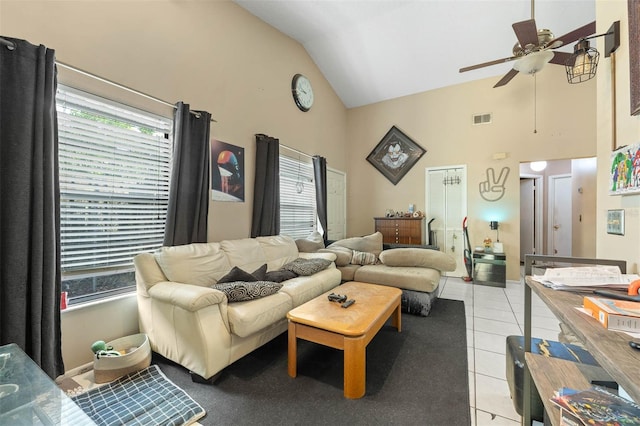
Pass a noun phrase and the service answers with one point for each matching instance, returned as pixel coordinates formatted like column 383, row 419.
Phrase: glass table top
column 29, row 397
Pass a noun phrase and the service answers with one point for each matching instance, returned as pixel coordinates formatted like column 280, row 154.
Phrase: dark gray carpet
column 417, row 377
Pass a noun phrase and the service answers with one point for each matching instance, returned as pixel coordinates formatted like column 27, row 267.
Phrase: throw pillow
column 239, row 291
column 307, row 266
column 279, row 276
column 260, row 273
column 237, row 274
column 311, row 244
column 363, row 258
column 369, row 243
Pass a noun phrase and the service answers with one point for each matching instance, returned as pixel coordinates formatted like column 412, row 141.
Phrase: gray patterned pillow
column 239, row 291
column 306, row 267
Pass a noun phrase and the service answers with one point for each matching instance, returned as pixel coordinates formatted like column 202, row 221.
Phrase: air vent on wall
column 481, row 119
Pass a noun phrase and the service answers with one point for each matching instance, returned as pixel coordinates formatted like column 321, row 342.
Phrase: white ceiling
column 374, row 50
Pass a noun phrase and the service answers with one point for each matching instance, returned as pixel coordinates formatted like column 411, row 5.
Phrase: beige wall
column 441, row 122
column 210, row 54
column 213, row 55
column 625, row 247
column 217, row 57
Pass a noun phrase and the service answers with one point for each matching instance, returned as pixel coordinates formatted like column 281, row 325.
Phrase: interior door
column 527, row 218
column 336, row 204
column 560, row 224
column 447, row 205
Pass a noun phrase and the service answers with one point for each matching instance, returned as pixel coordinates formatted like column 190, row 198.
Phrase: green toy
column 100, row 348
column 100, row 345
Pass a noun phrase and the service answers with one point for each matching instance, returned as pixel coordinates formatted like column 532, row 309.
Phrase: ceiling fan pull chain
column 535, row 103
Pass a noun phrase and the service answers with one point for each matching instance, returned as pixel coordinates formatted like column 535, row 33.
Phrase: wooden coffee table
column 348, row 329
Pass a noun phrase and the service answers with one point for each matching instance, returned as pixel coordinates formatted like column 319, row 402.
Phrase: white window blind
column 297, row 197
column 114, row 164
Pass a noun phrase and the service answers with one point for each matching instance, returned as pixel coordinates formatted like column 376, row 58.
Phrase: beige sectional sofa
column 416, row 271
column 193, row 324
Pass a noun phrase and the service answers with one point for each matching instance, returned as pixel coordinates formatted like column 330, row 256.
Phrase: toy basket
column 137, row 355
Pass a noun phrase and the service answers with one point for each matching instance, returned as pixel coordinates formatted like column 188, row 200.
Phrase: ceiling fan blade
column 486, row 64
column 527, row 32
column 577, row 34
column 560, row 58
column 507, row 78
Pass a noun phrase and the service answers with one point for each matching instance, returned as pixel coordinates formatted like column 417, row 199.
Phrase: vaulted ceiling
column 374, row 50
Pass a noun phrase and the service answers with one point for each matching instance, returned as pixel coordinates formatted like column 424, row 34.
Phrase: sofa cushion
column 302, row 289
column 348, row 271
column 278, row 250
column 307, row 267
column 363, row 258
column 251, row 316
column 199, row 263
column 369, row 243
column 425, row 258
column 312, row 243
column 405, row 277
column 239, row 291
column 245, row 253
column 343, row 254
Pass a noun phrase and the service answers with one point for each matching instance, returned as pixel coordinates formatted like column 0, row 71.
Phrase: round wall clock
column 302, row 92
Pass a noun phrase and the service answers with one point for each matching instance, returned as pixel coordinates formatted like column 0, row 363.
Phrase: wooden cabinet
column 401, row 230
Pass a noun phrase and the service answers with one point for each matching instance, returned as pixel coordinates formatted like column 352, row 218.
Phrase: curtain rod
column 7, row 43
column 122, row 86
column 11, row 46
column 296, row 151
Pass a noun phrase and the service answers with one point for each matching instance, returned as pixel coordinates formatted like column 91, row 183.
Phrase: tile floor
column 493, row 314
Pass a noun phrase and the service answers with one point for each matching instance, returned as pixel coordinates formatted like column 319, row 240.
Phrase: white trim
column 538, row 201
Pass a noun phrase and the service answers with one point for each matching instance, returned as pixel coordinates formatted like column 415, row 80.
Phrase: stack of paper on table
column 584, row 278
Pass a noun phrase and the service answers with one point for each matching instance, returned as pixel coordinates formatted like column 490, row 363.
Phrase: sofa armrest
column 187, row 296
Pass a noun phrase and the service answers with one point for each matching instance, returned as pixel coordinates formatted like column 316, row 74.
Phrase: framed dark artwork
column 634, row 55
column 395, row 155
column 615, row 222
column 227, row 172
column 624, row 175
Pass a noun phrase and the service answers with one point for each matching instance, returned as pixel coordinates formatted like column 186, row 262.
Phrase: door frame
column 344, row 201
column 464, row 203
column 538, row 202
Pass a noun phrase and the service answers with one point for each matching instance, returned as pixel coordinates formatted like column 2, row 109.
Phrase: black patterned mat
column 146, row 397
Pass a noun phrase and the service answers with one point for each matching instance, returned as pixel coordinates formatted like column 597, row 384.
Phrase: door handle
column 556, row 227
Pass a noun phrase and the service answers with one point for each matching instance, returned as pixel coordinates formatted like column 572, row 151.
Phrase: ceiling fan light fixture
column 533, row 62
column 583, row 63
column 538, row 166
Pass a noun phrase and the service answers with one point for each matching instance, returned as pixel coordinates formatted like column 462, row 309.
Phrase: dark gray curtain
column 320, row 178
column 189, row 190
column 30, row 204
column 266, row 190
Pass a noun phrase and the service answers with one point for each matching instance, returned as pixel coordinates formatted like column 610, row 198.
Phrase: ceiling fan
column 535, row 48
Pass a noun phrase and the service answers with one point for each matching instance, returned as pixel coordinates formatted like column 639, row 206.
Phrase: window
column 114, row 189
column 297, row 197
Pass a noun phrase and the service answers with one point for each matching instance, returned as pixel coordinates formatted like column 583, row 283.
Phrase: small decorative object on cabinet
column 490, row 269
column 401, row 230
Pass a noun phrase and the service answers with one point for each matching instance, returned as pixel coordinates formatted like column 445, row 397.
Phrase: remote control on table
column 340, row 298
column 348, row 303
